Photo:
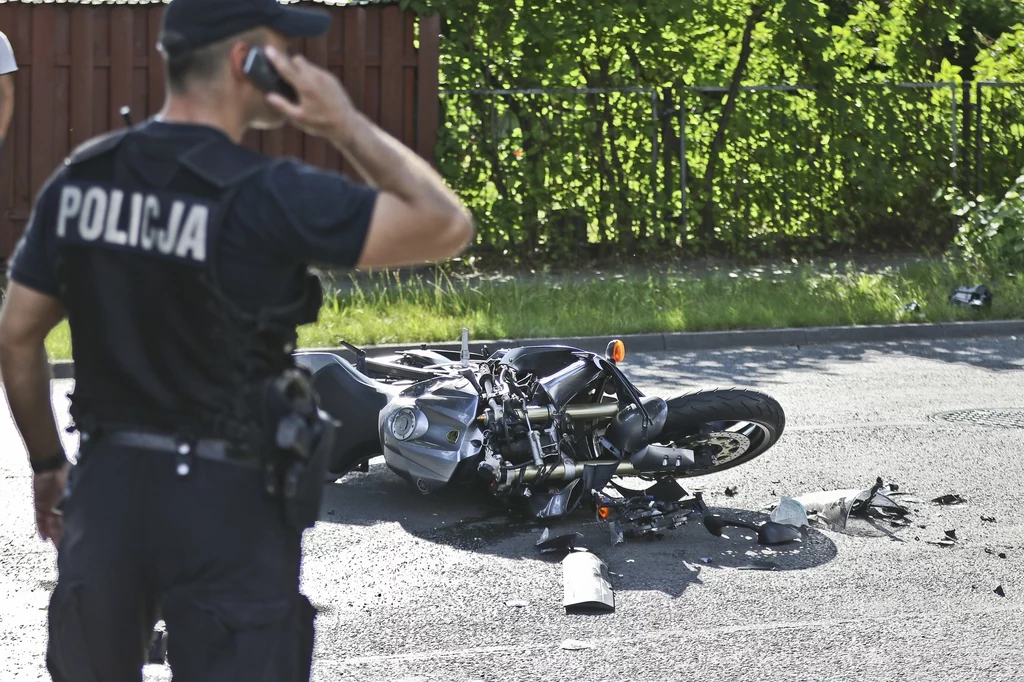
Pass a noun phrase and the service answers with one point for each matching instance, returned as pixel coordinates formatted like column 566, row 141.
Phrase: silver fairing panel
column 447, row 409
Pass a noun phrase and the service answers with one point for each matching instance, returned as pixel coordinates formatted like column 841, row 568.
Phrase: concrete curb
column 691, row 341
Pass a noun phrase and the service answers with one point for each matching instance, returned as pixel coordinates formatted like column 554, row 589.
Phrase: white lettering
column 151, row 211
column 114, row 235
column 193, row 236
column 170, row 235
column 136, row 220
column 94, row 210
column 70, row 205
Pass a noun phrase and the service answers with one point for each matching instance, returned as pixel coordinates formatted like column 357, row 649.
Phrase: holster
column 303, row 484
column 301, row 450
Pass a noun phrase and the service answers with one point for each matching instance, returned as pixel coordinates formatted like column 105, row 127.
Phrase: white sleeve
column 7, row 61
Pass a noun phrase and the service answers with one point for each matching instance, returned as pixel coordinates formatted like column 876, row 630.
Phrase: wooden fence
column 80, row 63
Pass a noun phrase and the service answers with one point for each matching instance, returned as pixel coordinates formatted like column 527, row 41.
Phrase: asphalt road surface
column 414, row 588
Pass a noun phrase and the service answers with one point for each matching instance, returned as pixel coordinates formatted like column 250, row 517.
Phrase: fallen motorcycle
column 546, row 425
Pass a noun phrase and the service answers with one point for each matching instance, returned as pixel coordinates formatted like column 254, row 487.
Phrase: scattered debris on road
column 789, row 512
column 999, row 591
column 586, row 584
column 732, row 491
column 945, row 542
column 833, row 508
column 1001, row 555
column 990, row 519
column 576, row 645
column 949, row 499
column 517, row 603
column 768, row 533
column 951, row 534
column 565, row 542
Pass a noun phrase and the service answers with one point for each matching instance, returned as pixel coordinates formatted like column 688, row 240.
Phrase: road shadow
column 468, row 519
column 747, row 366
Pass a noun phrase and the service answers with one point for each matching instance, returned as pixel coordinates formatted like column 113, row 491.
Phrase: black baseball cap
column 192, row 24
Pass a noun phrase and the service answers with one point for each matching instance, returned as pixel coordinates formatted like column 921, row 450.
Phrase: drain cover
column 1007, row 419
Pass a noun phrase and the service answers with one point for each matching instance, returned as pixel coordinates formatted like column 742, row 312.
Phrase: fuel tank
column 541, row 360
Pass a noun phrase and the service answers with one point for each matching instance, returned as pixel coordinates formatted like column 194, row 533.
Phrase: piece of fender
column 566, row 542
column 586, row 584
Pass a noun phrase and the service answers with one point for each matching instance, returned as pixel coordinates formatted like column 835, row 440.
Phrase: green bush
column 991, row 235
column 561, row 123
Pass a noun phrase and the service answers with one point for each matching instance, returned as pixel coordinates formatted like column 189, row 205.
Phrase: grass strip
column 387, row 309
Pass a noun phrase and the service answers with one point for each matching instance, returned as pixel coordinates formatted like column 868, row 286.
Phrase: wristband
column 47, row 465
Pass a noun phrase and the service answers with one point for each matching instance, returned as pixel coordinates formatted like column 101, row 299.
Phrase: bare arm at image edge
column 417, row 218
column 8, row 65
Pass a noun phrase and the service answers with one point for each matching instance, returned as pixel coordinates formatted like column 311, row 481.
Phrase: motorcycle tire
column 739, row 424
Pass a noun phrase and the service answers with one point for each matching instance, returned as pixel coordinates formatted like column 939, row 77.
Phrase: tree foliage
column 562, row 126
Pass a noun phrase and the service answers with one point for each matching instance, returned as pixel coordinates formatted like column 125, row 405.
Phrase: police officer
column 180, row 260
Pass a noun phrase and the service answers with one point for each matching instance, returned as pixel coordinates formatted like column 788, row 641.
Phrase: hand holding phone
column 324, row 108
column 265, row 77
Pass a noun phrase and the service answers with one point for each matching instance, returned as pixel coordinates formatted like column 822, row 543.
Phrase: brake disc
column 732, row 445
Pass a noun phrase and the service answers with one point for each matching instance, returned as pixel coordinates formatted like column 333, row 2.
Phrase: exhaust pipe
column 651, row 459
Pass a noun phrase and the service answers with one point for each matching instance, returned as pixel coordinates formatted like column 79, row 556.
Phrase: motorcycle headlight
column 407, row 423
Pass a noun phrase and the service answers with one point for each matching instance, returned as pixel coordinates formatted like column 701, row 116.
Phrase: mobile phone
column 265, row 77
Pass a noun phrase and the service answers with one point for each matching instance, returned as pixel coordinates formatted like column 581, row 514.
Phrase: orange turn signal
column 604, row 512
column 616, row 351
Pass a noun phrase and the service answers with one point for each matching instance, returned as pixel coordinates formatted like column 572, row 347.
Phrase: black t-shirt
column 283, row 219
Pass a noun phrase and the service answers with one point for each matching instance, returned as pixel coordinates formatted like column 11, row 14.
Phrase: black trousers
column 209, row 552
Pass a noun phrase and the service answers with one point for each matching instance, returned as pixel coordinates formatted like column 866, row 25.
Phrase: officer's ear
column 237, row 56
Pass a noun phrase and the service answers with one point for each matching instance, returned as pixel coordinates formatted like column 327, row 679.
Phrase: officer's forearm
column 389, row 165
column 26, row 376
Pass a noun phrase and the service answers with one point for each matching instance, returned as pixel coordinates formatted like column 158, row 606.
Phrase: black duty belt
column 204, row 448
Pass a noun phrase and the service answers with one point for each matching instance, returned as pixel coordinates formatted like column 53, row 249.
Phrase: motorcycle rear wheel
column 737, row 425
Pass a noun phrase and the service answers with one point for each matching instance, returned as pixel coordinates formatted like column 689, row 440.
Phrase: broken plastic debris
column 951, row 534
column 789, row 513
column 576, row 644
column 732, row 491
column 706, row 559
column 942, row 543
column 999, row 591
column 566, row 542
column 949, row 499
column 990, row 519
column 586, row 584
column 831, row 507
column 769, row 533
column 614, row 533
column 666, row 490
column 772, row 533
column 517, row 603
column 974, row 297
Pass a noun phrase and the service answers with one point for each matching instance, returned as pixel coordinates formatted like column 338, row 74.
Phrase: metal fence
column 626, row 167
column 997, row 136
column 805, row 161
